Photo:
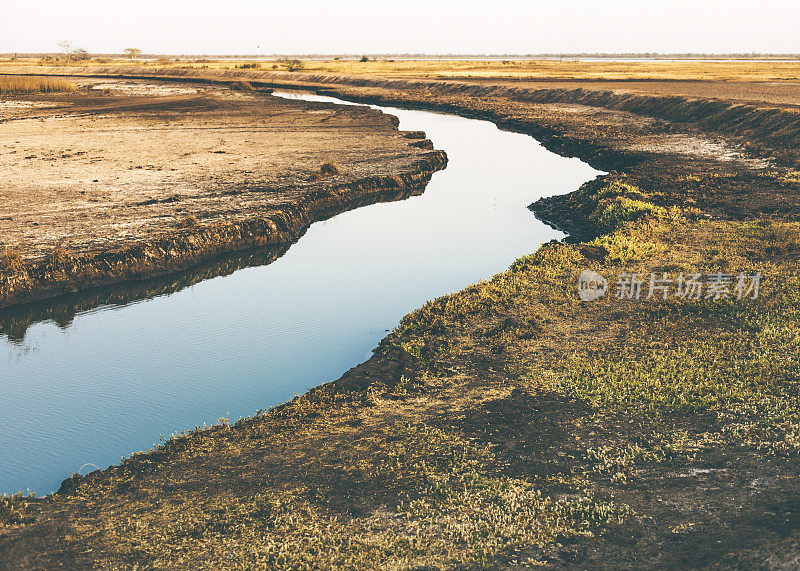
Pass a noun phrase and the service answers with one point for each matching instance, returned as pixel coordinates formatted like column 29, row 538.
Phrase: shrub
column 364, row 58
column 292, row 64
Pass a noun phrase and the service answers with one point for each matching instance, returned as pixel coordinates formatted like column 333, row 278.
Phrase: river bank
column 232, row 344
column 156, row 179
column 510, row 423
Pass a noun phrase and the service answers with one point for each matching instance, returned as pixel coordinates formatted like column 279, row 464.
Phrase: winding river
column 83, row 387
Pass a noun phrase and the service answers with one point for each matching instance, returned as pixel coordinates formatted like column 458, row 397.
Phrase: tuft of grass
column 11, row 510
column 18, row 85
column 244, row 86
column 619, row 202
column 10, row 261
column 188, row 221
column 327, row 168
column 59, row 259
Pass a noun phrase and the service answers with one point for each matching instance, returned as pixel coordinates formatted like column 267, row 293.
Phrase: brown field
column 776, row 82
column 481, row 69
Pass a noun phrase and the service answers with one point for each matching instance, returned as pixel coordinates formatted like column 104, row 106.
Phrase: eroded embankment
column 510, row 423
column 124, row 180
column 61, row 272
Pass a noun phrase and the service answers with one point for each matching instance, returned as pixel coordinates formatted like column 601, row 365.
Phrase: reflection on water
column 61, row 310
column 96, row 376
column 15, row 321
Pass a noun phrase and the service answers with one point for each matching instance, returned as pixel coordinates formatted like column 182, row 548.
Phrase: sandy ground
column 123, row 161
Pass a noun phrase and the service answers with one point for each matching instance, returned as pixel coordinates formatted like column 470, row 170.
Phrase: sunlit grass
column 689, row 372
column 531, row 69
column 17, row 85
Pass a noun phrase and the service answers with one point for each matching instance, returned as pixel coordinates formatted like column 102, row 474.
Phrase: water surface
column 101, row 383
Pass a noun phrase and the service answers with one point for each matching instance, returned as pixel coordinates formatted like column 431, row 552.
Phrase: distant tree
column 80, row 54
column 292, row 64
column 66, row 45
column 132, row 53
column 364, row 58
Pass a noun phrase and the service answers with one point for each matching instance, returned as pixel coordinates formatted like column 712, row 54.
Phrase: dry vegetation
column 541, row 69
column 18, row 85
column 511, row 69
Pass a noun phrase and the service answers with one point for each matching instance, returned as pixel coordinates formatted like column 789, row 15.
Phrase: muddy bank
column 62, row 309
column 124, row 180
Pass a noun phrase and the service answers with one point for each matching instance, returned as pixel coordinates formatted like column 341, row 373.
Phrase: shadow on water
column 15, row 321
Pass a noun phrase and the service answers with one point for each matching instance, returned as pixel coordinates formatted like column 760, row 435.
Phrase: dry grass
column 509, row 69
column 16, row 85
column 326, row 169
column 329, row 168
column 244, row 86
column 543, row 69
column 188, row 221
column 10, row 260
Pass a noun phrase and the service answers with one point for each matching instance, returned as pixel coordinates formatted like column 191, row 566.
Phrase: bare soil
column 123, row 164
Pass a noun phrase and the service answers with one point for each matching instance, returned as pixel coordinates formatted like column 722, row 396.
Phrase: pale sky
column 407, row 26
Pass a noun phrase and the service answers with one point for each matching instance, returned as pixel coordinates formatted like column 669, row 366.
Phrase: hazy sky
column 359, row 26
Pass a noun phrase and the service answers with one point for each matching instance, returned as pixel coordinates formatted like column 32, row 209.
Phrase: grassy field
column 478, row 69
